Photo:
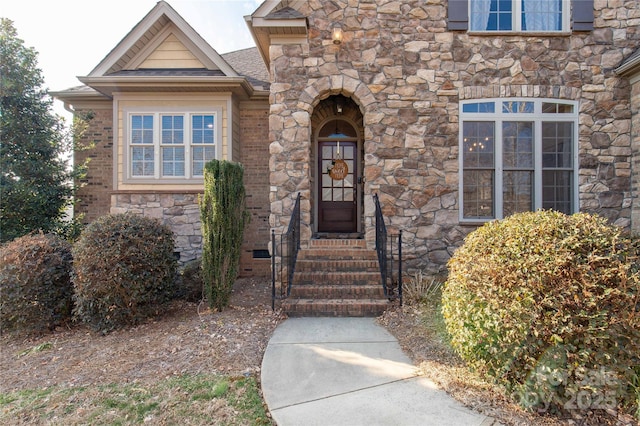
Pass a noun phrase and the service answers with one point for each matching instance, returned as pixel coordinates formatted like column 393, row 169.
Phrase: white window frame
column 498, row 117
column 516, row 20
column 157, row 114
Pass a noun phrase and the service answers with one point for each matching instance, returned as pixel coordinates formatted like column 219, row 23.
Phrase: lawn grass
column 185, row 400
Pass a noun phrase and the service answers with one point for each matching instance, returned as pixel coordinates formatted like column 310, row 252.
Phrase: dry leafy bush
column 35, row 283
column 548, row 305
column 421, row 287
column 124, row 270
column 190, row 284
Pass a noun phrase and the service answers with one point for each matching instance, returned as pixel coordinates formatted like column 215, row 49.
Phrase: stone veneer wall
column 635, row 166
column 181, row 212
column 407, row 73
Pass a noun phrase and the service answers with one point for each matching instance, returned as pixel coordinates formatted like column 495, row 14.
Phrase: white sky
column 73, row 36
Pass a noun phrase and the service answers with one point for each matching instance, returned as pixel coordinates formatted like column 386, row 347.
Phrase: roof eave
column 109, row 84
column 70, row 95
column 261, row 39
column 629, row 68
column 262, row 29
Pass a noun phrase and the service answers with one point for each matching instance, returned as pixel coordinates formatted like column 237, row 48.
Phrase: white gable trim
column 265, row 8
column 167, row 31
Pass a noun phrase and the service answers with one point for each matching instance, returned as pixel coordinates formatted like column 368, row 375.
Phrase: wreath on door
column 339, row 168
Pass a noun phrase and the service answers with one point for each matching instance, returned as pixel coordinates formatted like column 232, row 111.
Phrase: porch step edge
column 336, row 307
column 332, row 291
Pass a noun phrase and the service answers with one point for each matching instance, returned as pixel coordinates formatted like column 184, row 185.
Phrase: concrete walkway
column 350, row 371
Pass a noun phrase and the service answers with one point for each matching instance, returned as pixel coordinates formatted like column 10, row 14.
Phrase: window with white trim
column 517, row 155
column 519, row 15
column 170, row 145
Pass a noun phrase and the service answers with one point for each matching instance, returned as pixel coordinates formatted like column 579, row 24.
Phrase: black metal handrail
column 287, row 251
column 385, row 252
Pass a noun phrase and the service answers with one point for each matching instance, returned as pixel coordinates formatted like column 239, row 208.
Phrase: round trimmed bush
column 35, row 283
column 124, row 270
column 549, row 305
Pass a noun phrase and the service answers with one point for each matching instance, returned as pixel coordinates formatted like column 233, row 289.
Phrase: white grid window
column 203, row 141
column 519, row 15
column 517, row 155
column 142, row 146
column 171, row 145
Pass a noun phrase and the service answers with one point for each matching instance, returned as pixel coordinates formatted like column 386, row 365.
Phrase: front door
column 337, row 186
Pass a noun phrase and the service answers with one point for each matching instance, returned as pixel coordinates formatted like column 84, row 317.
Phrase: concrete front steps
column 336, row 278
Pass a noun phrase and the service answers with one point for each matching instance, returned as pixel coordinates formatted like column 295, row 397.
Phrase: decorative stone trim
column 519, row 91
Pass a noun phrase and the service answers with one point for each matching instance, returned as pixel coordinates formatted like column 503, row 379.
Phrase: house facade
column 453, row 112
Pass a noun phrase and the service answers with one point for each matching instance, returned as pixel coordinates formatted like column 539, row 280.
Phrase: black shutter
column 582, row 15
column 458, row 15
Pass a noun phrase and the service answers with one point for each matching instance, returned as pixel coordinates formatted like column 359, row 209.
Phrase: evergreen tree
column 35, row 183
column 224, row 215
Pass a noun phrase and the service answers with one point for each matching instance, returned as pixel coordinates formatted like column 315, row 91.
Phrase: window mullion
column 517, row 15
column 498, row 170
column 576, row 161
column 157, row 157
column 537, row 161
column 188, row 135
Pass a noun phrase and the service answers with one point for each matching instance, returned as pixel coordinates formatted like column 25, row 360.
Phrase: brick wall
column 94, row 198
column 254, row 141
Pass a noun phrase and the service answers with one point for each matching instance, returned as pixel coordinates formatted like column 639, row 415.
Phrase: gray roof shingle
column 285, row 13
column 248, row 63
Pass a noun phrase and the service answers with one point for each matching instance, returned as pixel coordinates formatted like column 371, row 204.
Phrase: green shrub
column 224, row 215
column 548, row 305
column 35, row 283
column 189, row 286
column 124, row 269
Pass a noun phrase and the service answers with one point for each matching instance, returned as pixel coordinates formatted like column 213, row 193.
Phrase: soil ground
column 188, row 339
column 191, row 339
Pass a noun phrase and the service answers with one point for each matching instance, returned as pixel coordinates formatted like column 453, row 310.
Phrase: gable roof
column 286, row 12
column 276, row 18
column 163, row 53
column 155, row 28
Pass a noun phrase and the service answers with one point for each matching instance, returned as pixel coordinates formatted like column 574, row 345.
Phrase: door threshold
column 338, row 236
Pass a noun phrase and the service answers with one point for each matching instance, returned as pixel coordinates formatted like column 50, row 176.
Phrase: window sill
column 161, row 182
column 474, row 222
column 521, row 33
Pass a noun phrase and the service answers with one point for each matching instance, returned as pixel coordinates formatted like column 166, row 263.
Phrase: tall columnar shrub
column 124, row 270
column 549, row 305
column 35, row 283
column 224, row 216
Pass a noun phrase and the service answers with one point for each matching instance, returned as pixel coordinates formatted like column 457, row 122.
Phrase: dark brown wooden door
column 337, row 205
